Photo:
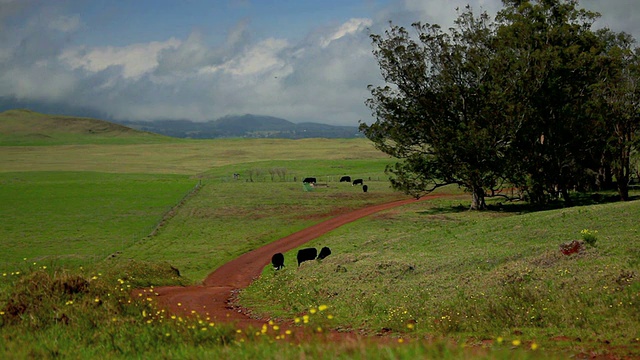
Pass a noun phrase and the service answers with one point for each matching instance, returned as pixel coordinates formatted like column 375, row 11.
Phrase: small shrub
column 589, row 236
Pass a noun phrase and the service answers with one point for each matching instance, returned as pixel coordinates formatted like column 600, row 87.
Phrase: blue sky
column 200, row 60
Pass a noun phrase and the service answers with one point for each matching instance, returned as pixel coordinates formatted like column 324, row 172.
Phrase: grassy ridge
column 29, row 128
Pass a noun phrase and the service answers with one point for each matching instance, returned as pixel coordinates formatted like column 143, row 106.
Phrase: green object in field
column 307, row 186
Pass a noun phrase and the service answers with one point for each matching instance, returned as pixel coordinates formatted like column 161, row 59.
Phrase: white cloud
column 350, row 27
column 322, row 77
column 37, row 83
column 263, row 57
column 135, row 60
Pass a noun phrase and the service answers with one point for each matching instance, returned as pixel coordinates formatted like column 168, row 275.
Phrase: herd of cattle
column 312, row 180
column 306, row 254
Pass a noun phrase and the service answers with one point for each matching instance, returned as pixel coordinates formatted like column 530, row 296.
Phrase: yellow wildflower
column 516, row 342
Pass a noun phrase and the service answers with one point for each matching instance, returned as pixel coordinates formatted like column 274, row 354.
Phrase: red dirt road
column 214, row 297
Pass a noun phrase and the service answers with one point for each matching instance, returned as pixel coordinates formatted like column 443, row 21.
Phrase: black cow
column 324, row 252
column 310, row 180
column 306, row 255
column 357, row 182
column 345, row 179
column 365, row 188
column 278, row 261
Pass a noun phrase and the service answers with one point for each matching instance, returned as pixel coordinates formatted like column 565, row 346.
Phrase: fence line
column 173, row 209
column 293, row 177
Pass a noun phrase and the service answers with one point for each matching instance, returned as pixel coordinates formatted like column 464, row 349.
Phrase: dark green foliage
column 551, row 53
column 535, row 99
column 442, row 116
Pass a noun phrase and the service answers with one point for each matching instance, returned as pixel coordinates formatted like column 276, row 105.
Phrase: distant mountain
column 249, row 126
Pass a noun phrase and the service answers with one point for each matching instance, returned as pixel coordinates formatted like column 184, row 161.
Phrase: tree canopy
column 533, row 99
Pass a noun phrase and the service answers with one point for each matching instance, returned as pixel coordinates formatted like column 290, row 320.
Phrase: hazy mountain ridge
column 251, row 126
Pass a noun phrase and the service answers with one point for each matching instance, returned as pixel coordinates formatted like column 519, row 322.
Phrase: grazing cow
column 310, row 180
column 278, row 261
column 345, row 179
column 306, row 255
column 365, row 188
column 324, row 252
column 357, row 182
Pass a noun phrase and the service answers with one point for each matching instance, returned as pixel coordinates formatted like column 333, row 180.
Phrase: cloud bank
column 320, row 77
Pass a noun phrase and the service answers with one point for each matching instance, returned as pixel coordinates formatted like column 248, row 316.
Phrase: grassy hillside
column 440, row 281
column 25, row 127
column 433, row 270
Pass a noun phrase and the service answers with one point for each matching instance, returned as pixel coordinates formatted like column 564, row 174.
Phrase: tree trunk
column 566, row 197
column 623, row 191
column 622, row 171
column 604, row 180
column 477, row 199
column 622, row 179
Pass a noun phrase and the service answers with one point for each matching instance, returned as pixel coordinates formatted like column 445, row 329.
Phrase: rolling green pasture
column 440, row 281
column 187, row 157
column 80, row 217
column 432, row 269
column 74, row 203
column 227, row 219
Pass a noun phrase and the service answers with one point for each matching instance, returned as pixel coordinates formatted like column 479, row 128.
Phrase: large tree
column 551, row 53
column 440, row 112
column 617, row 102
column 537, row 99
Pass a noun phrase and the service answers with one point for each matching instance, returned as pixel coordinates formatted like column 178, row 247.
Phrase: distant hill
column 249, row 126
column 25, row 127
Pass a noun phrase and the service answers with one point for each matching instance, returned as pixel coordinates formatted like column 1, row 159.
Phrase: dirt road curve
column 213, row 297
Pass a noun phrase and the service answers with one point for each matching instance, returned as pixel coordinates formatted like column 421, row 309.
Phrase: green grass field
column 437, row 280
